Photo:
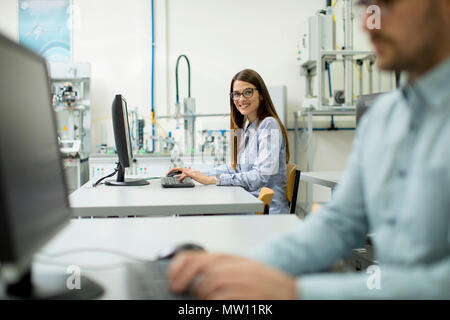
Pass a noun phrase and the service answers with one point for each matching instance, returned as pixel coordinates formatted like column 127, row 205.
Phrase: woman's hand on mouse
column 223, row 276
column 194, row 174
column 174, row 170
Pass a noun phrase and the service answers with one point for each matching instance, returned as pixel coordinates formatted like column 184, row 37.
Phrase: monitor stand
column 53, row 287
column 121, row 181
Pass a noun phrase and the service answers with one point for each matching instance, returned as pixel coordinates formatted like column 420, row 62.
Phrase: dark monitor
column 123, row 144
column 34, row 204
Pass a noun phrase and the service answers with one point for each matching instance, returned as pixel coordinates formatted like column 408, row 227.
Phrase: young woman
column 260, row 147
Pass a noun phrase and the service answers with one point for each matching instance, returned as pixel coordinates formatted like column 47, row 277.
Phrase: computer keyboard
column 149, row 281
column 173, row 182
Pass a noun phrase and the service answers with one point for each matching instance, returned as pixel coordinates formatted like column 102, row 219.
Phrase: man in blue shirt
column 396, row 187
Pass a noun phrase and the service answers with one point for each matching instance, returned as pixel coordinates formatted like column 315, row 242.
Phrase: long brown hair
column 265, row 109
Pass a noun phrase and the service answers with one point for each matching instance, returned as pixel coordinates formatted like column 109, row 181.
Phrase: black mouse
column 175, row 173
column 169, row 253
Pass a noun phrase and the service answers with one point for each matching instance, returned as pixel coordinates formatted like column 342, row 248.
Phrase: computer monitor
column 34, row 204
column 123, row 143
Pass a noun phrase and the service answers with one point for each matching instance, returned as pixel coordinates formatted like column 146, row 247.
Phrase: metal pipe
column 348, row 31
column 176, row 76
column 370, row 64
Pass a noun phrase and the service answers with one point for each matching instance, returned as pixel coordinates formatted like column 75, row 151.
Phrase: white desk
column 153, row 200
column 146, row 237
column 325, row 178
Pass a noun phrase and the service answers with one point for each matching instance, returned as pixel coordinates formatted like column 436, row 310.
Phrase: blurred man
column 396, row 187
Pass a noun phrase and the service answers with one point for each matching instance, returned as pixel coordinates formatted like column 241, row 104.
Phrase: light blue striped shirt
column 261, row 163
column 397, row 187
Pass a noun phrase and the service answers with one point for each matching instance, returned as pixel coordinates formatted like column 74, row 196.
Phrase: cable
column 189, row 76
column 93, row 249
column 85, row 267
column 88, row 267
column 152, row 111
column 358, row 69
column 108, row 176
column 328, row 66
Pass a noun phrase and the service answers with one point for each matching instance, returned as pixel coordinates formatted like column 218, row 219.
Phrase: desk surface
column 153, row 200
column 325, row 178
column 144, row 238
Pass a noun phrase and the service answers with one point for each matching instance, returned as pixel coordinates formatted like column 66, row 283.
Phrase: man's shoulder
column 385, row 102
column 382, row 107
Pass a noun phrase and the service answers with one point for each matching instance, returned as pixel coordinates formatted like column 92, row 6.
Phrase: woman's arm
column 224, row 168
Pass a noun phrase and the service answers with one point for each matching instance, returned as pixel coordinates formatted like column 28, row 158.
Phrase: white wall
column 8, row 18
column 115, row 37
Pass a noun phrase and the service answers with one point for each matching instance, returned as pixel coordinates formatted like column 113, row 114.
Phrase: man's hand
column 221, row 276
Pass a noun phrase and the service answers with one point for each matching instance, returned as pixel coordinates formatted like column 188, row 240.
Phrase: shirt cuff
column 225, row 179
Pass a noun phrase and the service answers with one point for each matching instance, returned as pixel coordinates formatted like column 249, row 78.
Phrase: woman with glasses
column 260, row 147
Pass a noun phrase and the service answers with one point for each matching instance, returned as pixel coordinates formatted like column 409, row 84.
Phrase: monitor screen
column 127, row 129
column 33, row 199
column 123, row 144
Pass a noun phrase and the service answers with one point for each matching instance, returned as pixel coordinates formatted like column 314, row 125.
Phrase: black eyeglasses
column 247, row 93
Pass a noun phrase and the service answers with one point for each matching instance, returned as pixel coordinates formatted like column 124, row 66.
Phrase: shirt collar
column 252, row 125
column 433, row 87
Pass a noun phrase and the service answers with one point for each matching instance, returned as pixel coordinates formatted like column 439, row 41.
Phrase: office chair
column 293, row 180
column 266, row 195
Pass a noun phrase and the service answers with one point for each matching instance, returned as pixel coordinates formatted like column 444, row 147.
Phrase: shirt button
column 402, row 173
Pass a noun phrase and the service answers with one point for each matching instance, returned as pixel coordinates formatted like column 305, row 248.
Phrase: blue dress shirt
column 396, row 187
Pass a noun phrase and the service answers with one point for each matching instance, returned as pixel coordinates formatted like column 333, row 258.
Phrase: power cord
column 108, row 176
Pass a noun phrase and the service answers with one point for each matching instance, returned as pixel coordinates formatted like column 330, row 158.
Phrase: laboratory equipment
column 317, row 50
column 136, row 131
column 70, row 86
column 189, row 115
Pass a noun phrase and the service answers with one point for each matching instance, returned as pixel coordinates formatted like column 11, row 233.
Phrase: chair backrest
column 290, row 179
column 295, row 191
column 266, row 195
column 292, row 182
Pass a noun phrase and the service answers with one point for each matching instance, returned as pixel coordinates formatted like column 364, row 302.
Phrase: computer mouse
column 169, row 253
column 175, row 173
